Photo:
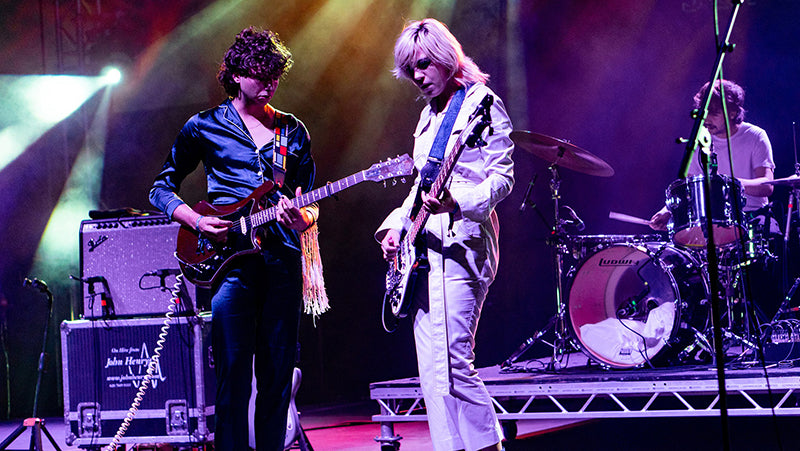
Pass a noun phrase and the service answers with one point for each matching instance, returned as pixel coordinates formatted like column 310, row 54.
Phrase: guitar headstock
column 394, row 167
column 482, row 119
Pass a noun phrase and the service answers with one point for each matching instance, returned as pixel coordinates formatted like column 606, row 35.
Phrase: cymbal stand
column 561, row 335
column 558, row 321
column 794, row 197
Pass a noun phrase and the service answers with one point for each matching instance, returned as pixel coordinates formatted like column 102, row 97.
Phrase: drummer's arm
column 756, row 186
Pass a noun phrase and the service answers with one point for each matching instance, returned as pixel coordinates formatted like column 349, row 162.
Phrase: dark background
column 615, row 78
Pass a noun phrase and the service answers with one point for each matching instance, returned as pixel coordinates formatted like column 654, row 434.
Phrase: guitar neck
column 436, row 187
column 262, row 217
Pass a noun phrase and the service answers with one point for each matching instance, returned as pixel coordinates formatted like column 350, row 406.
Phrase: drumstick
column 627, row 218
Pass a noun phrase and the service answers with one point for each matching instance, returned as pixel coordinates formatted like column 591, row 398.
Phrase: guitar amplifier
column 128, row 268
column 104, row 364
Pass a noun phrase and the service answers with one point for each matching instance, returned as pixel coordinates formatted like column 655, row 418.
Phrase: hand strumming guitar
column 390, row 244
column 210, row 226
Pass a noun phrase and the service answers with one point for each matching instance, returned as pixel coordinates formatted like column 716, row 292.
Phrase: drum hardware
column 699, row 351
column 727, row 333
column 582, row 246
column 792, row 182
column 737, row 311
column 558, row 153
column 557, row 323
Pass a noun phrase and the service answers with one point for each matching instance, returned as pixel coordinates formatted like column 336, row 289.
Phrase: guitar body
column 409, row 264
column 293, row 428
column 203, row 260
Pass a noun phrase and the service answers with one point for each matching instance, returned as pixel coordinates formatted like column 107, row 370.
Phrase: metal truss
column 79, row 24
column 608, row 396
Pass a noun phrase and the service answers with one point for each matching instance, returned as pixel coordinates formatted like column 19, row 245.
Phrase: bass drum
column 633, row 304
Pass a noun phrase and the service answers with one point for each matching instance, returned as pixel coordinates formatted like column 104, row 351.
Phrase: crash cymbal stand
column 558, row 321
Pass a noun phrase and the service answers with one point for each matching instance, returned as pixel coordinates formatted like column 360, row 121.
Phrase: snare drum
column 630, row 304
column 689, row 212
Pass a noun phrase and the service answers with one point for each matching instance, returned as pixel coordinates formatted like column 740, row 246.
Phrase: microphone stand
column 34, row 422
column 692, row 144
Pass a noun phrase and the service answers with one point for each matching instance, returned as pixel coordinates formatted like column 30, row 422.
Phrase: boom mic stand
column 34, row 422
column 692, row 145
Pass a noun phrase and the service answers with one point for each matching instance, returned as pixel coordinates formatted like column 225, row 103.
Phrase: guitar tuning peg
column 384, row 183
column 394, row 182
column 403, row 180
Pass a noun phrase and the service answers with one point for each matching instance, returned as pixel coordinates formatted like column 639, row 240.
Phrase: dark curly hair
column 255, row 53
column 734, row 99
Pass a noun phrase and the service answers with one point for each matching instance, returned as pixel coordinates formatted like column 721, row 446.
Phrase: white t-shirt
column 751, row 149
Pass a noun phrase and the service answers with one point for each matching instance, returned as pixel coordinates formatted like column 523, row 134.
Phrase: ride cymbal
column 792, row 180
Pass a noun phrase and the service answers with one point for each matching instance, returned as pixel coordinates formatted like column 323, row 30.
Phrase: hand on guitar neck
column 289, row 215
column 443, row 204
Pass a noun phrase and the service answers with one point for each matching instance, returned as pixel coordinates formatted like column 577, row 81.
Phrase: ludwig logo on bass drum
column 616, row 262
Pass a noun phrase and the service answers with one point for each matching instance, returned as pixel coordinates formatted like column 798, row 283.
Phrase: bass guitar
column 203, row 260
column 409, row 261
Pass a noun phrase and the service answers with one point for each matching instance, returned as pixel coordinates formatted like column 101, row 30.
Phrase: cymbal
column 792, row 180
column 561, row 153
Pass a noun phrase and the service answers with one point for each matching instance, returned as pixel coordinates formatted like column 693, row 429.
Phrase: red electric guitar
column 203, row 260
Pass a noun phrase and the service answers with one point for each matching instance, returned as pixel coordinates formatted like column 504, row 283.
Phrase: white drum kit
column 640, row 300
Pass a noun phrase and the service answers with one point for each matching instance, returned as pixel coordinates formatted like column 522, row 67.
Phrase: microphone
column 576, row 220
column 633, row 305
column 526, row 200
column 36, row 284
column 106, row 302
column 164, row 272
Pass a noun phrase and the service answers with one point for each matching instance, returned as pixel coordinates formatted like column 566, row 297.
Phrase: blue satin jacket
column 233, row 165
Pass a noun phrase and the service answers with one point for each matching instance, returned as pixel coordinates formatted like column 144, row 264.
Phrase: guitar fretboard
column 444, row 173
column 264, row 216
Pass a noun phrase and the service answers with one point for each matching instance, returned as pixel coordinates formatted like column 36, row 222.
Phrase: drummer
column 752, row 152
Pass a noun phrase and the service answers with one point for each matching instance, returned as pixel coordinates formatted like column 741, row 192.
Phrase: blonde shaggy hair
column 436, row 41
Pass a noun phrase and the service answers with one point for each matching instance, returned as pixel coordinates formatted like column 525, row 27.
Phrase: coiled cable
column 162, row 338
